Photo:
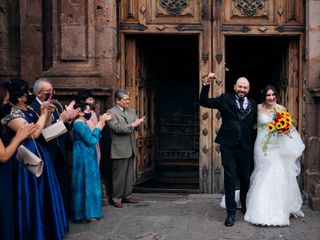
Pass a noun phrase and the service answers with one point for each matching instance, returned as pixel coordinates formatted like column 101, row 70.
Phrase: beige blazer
column 123, row 143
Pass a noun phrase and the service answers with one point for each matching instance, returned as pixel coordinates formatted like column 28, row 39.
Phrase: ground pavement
column 194, row 216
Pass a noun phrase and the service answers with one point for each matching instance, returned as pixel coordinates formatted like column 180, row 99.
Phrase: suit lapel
column 232, row 104
column 121, row 113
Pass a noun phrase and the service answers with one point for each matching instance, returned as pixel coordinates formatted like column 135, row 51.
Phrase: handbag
column 54, row 130
column 32, row 162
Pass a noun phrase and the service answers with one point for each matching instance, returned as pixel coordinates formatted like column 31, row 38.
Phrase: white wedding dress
column 274, row 192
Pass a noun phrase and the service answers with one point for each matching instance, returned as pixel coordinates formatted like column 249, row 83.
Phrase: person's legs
column 128, row 178
column 244, row 170
column 229, row 165
column 119, row 170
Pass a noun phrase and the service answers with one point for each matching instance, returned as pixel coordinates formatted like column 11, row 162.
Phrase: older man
column 123, row 147
column 236, row 138
column 57, row 147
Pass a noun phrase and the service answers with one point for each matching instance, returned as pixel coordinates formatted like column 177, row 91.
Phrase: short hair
column 82, row 96
column 37, row 86
column 16, row 88
column 118, row 95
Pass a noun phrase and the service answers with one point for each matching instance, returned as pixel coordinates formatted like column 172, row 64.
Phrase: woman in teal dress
column 86, row 188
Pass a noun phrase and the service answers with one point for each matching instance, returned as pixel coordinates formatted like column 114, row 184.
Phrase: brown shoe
column 117, row 204
column 130, row 200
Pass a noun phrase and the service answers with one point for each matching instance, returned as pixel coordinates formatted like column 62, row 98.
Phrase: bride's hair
column 266, row 89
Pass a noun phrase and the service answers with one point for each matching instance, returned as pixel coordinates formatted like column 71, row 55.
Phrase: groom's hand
column 210, row 78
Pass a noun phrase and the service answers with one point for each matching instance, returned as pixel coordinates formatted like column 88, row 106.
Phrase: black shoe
column 229, row 221
column 243, row 210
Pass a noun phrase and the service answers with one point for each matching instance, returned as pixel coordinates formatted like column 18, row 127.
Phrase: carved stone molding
column 249, row 7
column 174, row 7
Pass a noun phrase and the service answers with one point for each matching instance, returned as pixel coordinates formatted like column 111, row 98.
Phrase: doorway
column 169, row 64
column 262, row 60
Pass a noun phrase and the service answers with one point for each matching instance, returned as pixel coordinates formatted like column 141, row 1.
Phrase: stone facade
column 78, row 45
column 312, row 129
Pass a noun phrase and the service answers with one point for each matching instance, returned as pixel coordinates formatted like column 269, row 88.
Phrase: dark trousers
column 236, row 162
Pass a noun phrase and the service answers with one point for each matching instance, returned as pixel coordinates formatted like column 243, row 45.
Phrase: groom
column 236, row 138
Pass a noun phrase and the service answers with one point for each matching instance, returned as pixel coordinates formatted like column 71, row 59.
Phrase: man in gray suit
column 123, row 147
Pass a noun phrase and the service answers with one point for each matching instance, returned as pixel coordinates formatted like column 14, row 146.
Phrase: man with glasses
column 57, row 147
column 123, row 147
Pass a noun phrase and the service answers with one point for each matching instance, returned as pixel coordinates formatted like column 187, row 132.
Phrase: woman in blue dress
column 7, row 149
column 39, row 207
column 86, row 187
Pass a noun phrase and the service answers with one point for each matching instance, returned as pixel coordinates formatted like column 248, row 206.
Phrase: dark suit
column 236, row 138
column 123, row 152
column 57, row 149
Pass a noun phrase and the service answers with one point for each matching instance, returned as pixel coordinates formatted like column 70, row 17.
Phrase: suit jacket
column 58, row 144
column 234, row 129
column 123, row 143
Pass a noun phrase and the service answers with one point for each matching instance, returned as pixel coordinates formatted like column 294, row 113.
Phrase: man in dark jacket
column 236, row 138
column 56, row 147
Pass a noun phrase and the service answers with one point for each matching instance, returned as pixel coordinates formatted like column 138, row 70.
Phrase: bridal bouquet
column 281, row 124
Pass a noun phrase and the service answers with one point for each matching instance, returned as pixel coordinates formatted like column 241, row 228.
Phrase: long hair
column 266, row 89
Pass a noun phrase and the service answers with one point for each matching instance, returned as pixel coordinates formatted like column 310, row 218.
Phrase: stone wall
column 312, row 74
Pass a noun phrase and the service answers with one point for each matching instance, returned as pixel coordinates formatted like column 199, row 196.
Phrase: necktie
column 125, row 112
column 241, row 100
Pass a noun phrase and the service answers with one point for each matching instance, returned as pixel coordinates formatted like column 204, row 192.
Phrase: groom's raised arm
column 205, row 101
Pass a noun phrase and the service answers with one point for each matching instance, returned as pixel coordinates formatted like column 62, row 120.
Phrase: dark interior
column 256, row 58
column 173, row 65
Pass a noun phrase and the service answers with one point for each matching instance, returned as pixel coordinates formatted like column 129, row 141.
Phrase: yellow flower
column 270, row 127
column 282, row 123
column 283, row 113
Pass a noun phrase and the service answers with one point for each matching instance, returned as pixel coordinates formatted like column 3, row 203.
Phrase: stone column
column 312, row 74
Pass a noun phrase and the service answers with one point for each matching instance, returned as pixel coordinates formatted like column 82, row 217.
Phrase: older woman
column 40, row 211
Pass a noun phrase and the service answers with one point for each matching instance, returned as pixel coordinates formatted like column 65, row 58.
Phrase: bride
column 274, row 193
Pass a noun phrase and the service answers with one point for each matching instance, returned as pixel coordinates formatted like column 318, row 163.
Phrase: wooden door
column 140, row 85
column 289, row 78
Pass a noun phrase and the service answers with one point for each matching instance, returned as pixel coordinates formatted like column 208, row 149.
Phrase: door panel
column 141, row 92
column 289, row 93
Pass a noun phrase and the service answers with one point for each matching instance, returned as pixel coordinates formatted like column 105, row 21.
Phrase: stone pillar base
column 314, row 197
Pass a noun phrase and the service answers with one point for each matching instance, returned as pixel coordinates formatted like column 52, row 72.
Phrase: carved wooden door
column 289, row 78
column 141, row 91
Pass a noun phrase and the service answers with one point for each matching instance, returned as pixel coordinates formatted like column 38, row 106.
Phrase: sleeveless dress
column 274, row 192
column 38, row 203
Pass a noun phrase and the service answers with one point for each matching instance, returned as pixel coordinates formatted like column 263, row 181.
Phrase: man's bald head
column 242, row 87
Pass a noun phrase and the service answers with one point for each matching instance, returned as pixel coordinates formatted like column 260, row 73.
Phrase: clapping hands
column 138, row 122
column 103, row 118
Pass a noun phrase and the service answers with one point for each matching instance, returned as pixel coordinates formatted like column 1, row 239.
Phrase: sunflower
column 281, row 123
column 270, row 127
column 283, row 113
